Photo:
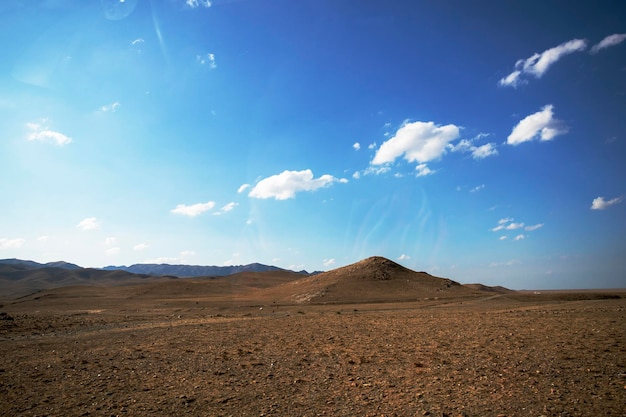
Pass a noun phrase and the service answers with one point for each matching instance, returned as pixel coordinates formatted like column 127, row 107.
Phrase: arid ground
column 243, row 347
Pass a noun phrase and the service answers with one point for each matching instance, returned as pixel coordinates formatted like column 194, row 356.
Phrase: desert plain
column 370, row 339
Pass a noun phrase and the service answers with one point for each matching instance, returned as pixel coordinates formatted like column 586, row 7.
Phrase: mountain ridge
column 164, row 269
column 189, row 271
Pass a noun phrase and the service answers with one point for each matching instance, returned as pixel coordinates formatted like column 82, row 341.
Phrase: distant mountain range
column 182, row 271
column 186, row 271
column 37, row 265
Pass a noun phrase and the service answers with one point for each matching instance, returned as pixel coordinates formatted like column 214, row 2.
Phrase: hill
column 36, row 265
column 374, row 279
column 17, row 280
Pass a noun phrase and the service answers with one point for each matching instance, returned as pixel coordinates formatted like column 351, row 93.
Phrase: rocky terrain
column 249, row 346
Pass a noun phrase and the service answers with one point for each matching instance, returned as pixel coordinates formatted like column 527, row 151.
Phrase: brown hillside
column 374, row 279
column 497, row 289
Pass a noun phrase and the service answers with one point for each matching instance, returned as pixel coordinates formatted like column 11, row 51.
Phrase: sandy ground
column 492, row 356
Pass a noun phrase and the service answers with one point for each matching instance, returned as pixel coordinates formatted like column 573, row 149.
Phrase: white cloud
column 478, row 152
column 356, row 146
column 371, row 170
column 512, row 262
column 599, row 203
column 356, row 175
column 194, row 209
column 11, row 243
column 171, row 259
column 243, row 188
column 514, row 226
column 208, row 59
column 137, row 41
column 285, row 185
column 403, row 257
column 533, row 227
column 89, row 223
column 464, row 145
column 43, row 238
column 371, row 145
column 228, row 207
column 423, row 170
column 477, row 188
column 513, row 79
column 40, row 132
column 418, row 142
column 112, row 251
column 162, row 260
column 483, row 151
column 538, row 64
column 507, row 224
column 198, row 3
column 609, row 41
column 110, row 107
column 503, row 237
column 520, row 237
column 110, row 241
column 329, row 262
column 540, row 124
column 141, row 246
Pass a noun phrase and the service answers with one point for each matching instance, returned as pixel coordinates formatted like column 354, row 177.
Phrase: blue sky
column 481, row 141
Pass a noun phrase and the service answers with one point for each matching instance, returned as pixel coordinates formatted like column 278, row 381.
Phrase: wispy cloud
column 39, row 131
column 112, row 251
column 243, row 188
column 11, row 243
column 477, row 188
column 533, row 227
column 356, row 146
column 110, row 107
column 207, row 59
column 477, row 152
column 483, row 151
column 141, row 246
column 599, row 203
column 162, row 260
column 419, row 142
column 181, row 259
column 285, row 185
column 541, row 125
column 194, row 4
column 194, row 209
column 507, row 224
column 371, row 170
column 423, row 170
column 403, row 257
column 329, row 262
column 512, row 262
column 538, row 64
column 609, row 41
column 89, row 223
column 228, row 207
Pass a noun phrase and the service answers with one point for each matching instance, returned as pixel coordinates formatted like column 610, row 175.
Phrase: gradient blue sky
column 483, row 141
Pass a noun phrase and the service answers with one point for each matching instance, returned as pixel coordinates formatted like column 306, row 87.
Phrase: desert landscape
column 369, row 339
